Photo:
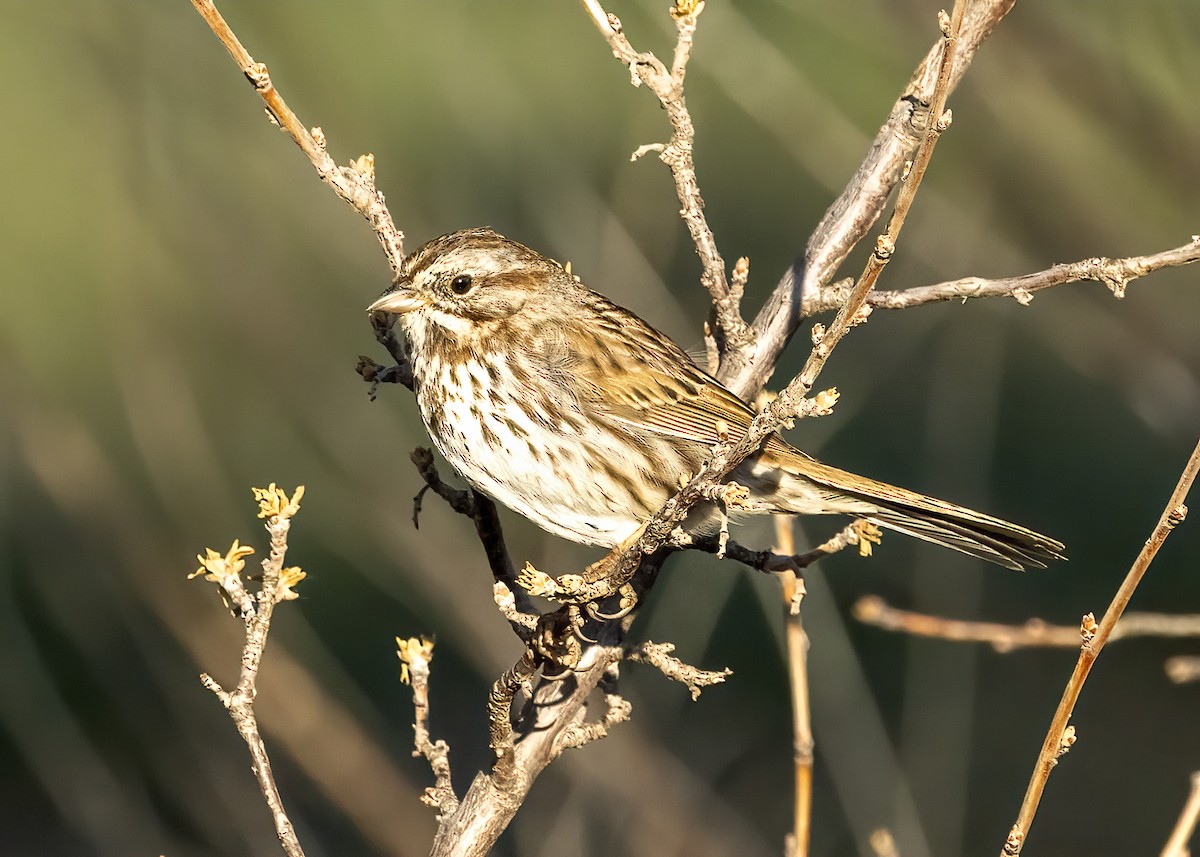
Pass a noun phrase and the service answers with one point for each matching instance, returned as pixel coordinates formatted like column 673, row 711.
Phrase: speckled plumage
column 574, row 412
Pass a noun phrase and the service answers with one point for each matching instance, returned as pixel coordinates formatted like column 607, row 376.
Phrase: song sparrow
column 576, row 413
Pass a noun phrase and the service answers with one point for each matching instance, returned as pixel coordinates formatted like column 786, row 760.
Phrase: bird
column 574, row 412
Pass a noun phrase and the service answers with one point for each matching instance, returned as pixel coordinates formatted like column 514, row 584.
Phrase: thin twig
column 851, row 216
column 1116, row 274
column 873, row 610
column 1178, row 841
column 277, row 585
column 415, row 654
column 729, row 328
column 658, row 655
column 1094, row 638
column 792, row 590
column 355, row 184
column 617, row 710
column 771, row 561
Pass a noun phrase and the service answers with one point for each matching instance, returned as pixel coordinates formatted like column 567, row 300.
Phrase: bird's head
column 463, row 281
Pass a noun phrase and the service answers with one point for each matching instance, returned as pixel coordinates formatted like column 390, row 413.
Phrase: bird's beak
column 398, row 300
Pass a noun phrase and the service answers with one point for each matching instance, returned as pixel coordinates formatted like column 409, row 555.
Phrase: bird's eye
column 461, row 284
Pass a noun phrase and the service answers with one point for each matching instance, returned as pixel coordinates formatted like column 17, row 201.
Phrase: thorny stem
column 1055, row 743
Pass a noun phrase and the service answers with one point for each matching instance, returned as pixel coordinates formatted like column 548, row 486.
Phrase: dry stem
column 792, row 590
column 240, row 702
column 873, row 610
column 850, row 217
column 415, row 654
column 658, row 655
column 1177, row 842
column 1055, row 743
column 730, row 331
column 1116, row 274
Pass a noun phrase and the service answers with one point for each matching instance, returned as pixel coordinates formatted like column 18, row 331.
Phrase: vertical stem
column 792, row 590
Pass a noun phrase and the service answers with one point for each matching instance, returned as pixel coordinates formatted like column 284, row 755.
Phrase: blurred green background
column 183, row 306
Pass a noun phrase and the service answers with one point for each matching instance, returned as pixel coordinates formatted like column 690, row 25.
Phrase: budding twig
column 415, row 654
column 256, row 611
column 354, row 183
column 851, row 216
column 1172, row 515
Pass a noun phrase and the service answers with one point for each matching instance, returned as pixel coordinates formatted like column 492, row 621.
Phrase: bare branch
column 355, row 183
column 773, row 562
column 873, row 610
column 555, row 705
column 658, row 655
column 1116, row 274
column 500, row 717
column 1177, row 843
column 1095, row 636
column 729, row 329
column 277, row 583
column 415, row 654
column 850, row 217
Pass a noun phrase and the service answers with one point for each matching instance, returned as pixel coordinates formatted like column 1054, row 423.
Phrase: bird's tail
column 927, row 518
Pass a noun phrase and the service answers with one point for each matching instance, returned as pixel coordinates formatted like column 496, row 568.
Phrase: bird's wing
column 651, row 385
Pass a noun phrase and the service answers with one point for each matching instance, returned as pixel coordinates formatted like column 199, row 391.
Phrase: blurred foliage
column 183, row 305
